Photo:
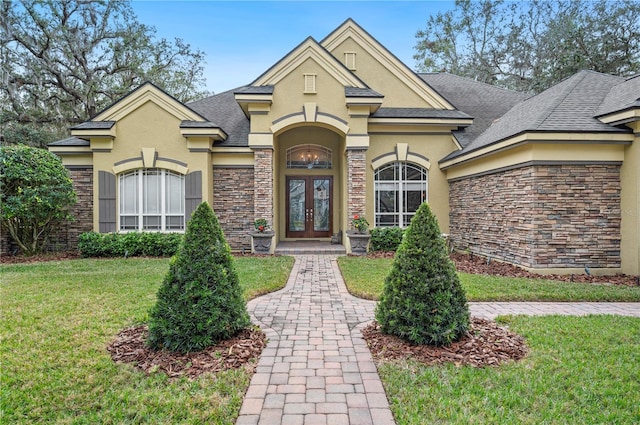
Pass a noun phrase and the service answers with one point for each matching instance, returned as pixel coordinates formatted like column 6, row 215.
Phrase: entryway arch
column 309, row 176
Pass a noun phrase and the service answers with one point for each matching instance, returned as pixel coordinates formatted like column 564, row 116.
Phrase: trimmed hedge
column 133, row 244
column 386, row 238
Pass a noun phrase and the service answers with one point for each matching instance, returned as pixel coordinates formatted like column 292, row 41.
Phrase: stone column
column 263, row 184
column 357, row 184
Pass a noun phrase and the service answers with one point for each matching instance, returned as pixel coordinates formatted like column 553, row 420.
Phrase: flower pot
column 359, row 242
column 261, row 242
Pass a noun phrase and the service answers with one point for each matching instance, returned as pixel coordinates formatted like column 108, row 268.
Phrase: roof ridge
column 420, row 74
column 548, row 111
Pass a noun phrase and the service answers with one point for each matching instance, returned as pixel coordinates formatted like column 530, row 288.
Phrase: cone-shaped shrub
column 200, row 301
column 423, row 301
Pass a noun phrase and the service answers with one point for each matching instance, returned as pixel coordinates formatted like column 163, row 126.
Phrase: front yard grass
column 57, row 319
column 485, row 288
column 580, row 370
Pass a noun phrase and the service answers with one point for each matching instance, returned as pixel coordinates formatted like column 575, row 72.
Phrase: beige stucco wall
column 378, row 77
column 150, row 126
column 630, row 205
column 433, row 146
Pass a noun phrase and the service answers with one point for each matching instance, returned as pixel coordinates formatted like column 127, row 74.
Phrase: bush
column 36, row 195
column 386, row 238
column 133, row 244
column 200, row 301
column 422, row 300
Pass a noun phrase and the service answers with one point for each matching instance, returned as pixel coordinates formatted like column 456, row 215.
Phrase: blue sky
column 242, row 39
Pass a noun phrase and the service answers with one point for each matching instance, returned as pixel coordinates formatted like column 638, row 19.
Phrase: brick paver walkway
column 491, row 310
column 317, row 369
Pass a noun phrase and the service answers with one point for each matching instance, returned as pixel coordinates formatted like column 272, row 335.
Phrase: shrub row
column 134, row 244
column 386, row 238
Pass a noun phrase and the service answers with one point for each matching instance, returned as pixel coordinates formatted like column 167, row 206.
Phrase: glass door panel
column 309, row 207
column 321, row 205
column 296, row 206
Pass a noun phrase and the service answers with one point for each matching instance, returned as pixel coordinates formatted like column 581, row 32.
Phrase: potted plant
column 261, row 237
column 359, row 235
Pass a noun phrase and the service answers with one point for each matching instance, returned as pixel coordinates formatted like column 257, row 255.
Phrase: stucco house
column 342, row 127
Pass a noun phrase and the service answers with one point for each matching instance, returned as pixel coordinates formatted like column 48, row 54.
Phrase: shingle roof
column 70, row 141
column 94, row 125
column 418, row 113
column 223, row 109
column 361, row 92
column 622, row 96
column 484, row 102
column 569, row 106
column 255, row 90
column 198, row 124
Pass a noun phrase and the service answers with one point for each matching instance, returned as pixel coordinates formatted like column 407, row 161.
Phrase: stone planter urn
column 261, row 242
column 359, row 242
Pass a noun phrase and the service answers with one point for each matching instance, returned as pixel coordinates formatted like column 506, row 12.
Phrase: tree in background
column 65, row 60
column 530, row 46
column 200, row 301
column 36, row 195
column 423, row 300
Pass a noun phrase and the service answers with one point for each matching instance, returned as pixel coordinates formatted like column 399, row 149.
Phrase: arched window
column 400, row 188
column 309, row 156
column 151, row 200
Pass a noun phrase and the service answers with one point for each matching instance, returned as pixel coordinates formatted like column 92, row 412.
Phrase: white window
column 399, row 188
column 151, row 200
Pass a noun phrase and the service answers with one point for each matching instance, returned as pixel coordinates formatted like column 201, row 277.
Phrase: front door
column 309, row 206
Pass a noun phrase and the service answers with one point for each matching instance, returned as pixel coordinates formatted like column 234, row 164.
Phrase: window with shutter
column 152, row 200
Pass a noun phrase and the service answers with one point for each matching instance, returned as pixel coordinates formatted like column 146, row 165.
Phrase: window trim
column 140, row 213
column 401, row 183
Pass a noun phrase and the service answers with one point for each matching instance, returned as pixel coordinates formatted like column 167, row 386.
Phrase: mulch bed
column 486, row 344
column 475, row 264
column 22, row 259
column 243, row 350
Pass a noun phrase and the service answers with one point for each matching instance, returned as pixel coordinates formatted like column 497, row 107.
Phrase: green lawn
column 57, row 319
column 580, row 370
column 485, row 288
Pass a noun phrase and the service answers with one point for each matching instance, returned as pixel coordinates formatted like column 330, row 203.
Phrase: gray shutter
column 107, row 202
column 192, row 193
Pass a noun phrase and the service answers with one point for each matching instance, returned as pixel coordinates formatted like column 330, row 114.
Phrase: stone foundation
column 233, row 203
column 540, row 216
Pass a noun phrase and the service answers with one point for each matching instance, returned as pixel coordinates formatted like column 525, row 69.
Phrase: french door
column 309, row 206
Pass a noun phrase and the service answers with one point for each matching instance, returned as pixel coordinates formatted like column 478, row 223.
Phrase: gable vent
column 350, row 60
column 310, row 83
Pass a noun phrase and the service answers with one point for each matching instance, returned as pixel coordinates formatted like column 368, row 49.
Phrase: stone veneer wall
column 233, row 203
column 66, row 238
column 356, row 186
column 540, row 216
column 263, row 180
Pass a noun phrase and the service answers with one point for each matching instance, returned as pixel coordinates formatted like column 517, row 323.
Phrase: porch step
column 309, row 247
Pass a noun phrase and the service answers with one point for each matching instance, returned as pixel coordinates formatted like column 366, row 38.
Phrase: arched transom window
column 309, row 156
column 151, row 200
column 400, row 188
